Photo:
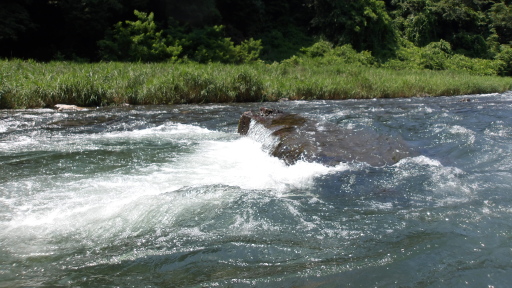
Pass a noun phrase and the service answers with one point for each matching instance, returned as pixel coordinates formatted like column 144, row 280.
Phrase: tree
column 62, row 29
column 14, row 19
column 15, row 22
column 139, row 41
column 82, row 23
column 209, row 44
column 242, row 17
column 364, row 24
column 462, row 23
column 501, row 18
column 415, row 21
column 143, row 40
column 195, row 13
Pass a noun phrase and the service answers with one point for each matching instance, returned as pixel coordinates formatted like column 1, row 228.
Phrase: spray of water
column 216, row 170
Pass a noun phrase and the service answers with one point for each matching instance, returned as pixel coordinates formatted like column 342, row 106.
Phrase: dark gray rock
column 300, row 138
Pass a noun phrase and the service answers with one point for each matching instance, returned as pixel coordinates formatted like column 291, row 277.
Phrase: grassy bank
column 26, row 84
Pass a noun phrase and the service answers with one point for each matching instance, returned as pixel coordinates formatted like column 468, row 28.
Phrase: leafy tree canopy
column 224, row 30
column 364, row 24
column 14, row 19
column 143, row 40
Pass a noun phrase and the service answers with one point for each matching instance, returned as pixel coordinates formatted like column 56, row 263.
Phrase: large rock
column 298, row 138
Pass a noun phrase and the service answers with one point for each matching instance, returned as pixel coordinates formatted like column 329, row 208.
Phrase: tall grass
column 28, row 84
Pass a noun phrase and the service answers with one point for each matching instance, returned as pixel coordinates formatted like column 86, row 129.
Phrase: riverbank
column 28, row 84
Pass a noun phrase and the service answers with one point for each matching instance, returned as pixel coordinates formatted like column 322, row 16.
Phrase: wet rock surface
column 66, row 107
column 300, row 138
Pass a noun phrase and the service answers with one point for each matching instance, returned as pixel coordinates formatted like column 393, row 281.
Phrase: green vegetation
column 221, row 30
column 170, row 51
column 141, row 41
column 29, row 84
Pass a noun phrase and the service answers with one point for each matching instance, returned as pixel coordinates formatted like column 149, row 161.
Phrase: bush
column 476, row 66
column 471, row 45
column 209, row 45
column 351, row 56
column 283, row 43
column 141, row 40
column 439, row 56
column 435, row 54
column 248, row 51
column 319, row 49
column 505, row 57
column 138, row 41
column 327, row 54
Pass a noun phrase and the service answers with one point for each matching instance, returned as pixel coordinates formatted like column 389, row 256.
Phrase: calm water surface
column 171, row 196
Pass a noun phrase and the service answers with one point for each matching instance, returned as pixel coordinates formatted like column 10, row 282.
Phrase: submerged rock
column 299, row 138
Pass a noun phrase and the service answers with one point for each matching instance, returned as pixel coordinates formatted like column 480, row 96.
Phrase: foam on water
column 243, row 163
column 443, row 185
column 68, row 204
column 114, row 205
column 47, row 141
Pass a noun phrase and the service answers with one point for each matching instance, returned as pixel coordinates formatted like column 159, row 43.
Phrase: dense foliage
column 364, row 24
column 471, row 35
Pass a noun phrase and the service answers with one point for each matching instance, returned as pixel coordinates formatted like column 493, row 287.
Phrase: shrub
column 248, row 51
column 209, row 45
column 141, row 40
column 476, row 66
column 327, row 54
column 319, row 49
column 138, row 41
column 351, row 56
column 471, row 45
column 435, row 54
column 283, row 43
column 505, row 57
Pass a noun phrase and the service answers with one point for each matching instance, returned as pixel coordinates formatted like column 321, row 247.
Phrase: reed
column 28, row 84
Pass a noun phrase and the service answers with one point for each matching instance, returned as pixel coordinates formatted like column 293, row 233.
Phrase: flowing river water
column 172, row 196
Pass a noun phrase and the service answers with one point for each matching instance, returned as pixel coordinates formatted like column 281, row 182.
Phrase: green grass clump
column 28, row 84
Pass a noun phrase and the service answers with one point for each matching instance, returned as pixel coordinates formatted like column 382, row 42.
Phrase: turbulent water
column 171, row 196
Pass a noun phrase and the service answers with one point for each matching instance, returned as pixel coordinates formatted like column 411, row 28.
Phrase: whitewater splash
column 66, row 203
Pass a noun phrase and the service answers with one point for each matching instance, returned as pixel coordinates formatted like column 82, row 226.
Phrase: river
column 172, row 196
